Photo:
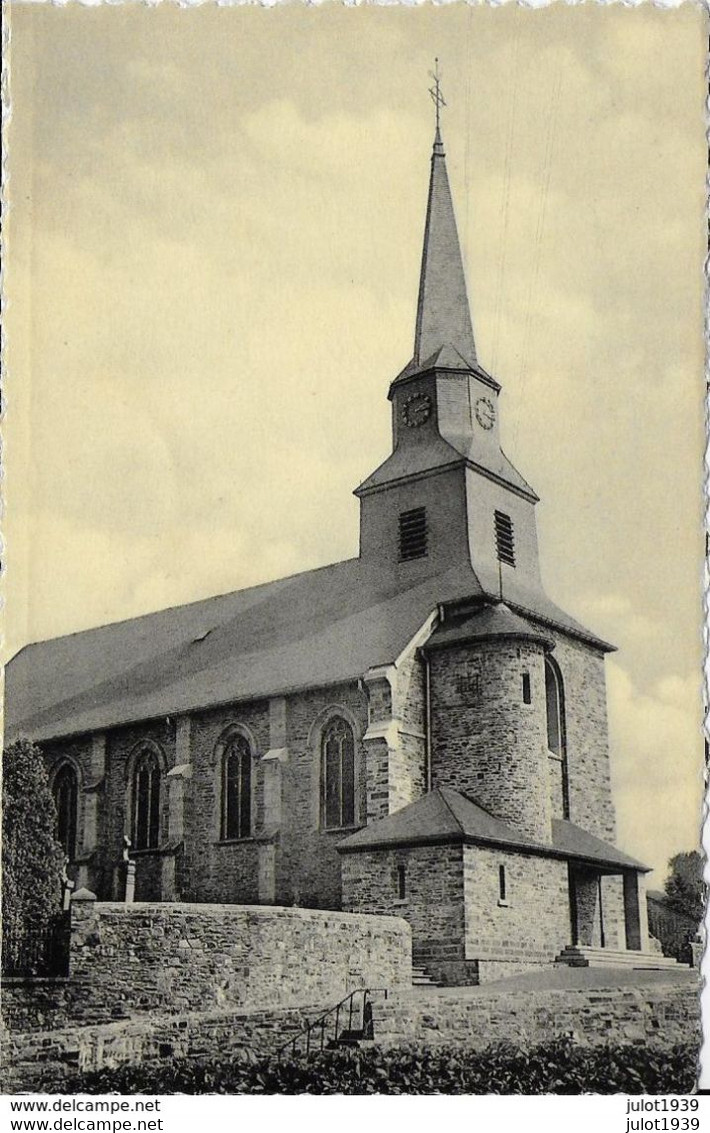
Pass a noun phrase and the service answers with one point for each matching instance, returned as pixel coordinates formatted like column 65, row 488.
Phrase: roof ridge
column 485, row 809
column 449, row 807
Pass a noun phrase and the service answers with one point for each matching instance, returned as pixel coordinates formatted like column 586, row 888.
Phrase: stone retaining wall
column 169, row 958
column 41, row 1062
column 661, row 1014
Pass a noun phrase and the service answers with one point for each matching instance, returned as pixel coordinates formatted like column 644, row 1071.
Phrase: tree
column 684, row 886
column 32, row 859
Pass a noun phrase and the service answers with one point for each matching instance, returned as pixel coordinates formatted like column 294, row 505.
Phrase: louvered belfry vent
column 412, row 534
column 505, row 540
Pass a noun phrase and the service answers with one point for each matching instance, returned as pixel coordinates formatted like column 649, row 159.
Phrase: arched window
column 145, row 819
column 236, row 788
column 555, row 708
column 556, row 735
column 338, row 770
column 65, row 790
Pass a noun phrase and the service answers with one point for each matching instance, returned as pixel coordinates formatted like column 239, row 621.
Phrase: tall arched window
column 338, row 770
column 556, row 736
column 65, row 790
column 236, row 788
column 555, row 721
column 145, row 824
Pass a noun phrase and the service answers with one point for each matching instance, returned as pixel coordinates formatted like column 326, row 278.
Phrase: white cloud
column 657, row 765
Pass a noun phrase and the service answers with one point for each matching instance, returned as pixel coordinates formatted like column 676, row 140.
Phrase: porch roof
column 445, row 816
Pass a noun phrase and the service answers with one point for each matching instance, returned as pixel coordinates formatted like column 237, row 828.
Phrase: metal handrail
column 320, row 1023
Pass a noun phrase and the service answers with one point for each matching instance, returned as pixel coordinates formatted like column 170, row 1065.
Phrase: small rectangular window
column 412, row 534
column 527, row 697
column 401, row 882
column 505, row 540
column 501, row 883
column 467, row 679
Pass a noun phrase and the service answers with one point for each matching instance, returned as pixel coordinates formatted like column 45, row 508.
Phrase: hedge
column 556, row 1067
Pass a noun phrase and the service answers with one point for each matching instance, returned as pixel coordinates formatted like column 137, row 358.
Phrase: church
column 419, row 731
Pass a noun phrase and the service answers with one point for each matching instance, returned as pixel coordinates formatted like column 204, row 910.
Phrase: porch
column 609, row 920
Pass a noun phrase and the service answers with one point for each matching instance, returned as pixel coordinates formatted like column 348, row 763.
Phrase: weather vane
column 435, row 91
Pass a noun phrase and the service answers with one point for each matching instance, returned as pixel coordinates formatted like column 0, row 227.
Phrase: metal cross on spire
column 435, row 91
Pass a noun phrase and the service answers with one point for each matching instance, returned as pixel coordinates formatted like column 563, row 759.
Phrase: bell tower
column 448, row 495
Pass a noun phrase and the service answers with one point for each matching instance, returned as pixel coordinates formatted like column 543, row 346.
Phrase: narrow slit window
column 527, row 696
column 501, row 883
column 401, row 882
column 412, row 534
column 505, row 538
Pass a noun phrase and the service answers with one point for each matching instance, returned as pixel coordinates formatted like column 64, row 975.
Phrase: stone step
column 582, row 956
column 422, row 978
column 348, row 1038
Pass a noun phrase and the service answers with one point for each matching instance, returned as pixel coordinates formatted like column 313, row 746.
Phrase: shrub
column 556, row 1067
column 31, row 858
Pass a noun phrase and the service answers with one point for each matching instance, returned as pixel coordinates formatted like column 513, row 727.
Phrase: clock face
column 417, row 410
column 485, row 412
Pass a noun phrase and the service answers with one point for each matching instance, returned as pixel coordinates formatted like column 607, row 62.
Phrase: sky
column 214, row 236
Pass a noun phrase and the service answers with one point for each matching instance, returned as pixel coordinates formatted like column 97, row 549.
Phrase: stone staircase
column 582, row 956
column 422, row 978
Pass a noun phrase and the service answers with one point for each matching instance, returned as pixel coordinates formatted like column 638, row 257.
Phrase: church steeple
column 448, row 494
column 443, row 314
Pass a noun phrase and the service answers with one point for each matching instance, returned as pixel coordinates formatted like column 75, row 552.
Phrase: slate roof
column 437, row 453
column 309, row 630
column 485, row 623
column 447, row 357
column 446, row 816
column 443, row 313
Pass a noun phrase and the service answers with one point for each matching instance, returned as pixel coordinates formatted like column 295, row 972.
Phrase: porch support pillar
column 635, row 911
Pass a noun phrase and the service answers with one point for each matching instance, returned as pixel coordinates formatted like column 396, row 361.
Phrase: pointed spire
column 443, row 315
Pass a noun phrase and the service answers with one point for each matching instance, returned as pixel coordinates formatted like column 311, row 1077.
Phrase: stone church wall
column 587, row 727
column 309, row 865
column 288, row 843
column 288, row 859
column 407, row 771
column 408, row 765
column 486, row 742
column 433, row 903
column 78, row 753
column 222, row 871
column 120, row 744
column 530, row 926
